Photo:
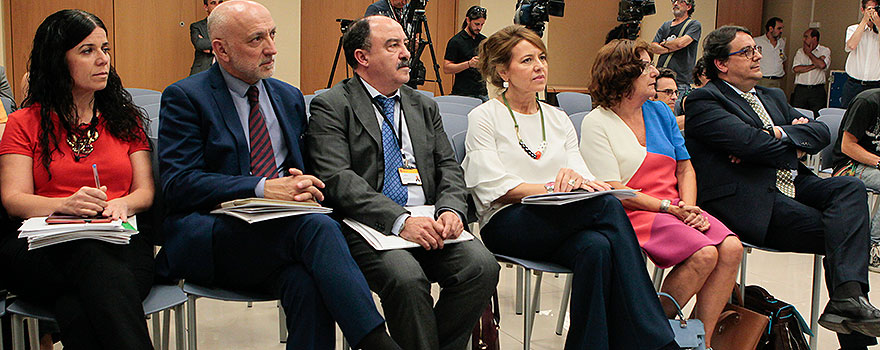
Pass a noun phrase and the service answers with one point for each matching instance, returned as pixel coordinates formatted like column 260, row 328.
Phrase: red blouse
column 110, row 154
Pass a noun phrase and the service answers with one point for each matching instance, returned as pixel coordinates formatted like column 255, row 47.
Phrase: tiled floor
column 230, row 325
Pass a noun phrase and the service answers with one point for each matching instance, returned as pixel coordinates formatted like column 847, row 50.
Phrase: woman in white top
column 516, row 147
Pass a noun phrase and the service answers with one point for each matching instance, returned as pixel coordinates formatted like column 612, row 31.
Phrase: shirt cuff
column 784, row 137
column 261, row 186
column 398, row 224
column 461, row 216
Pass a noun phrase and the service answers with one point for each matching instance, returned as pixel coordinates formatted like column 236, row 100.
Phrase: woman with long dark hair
column 77, row 116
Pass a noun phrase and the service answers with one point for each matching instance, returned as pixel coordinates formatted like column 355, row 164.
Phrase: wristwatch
column 664, row 205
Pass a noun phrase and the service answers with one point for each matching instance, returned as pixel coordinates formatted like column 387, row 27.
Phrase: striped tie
column 784, row 181
column 262, row 155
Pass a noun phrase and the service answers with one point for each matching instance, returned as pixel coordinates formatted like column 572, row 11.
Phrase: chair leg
column 17, row 332
column 2, row 347
column 563, row 307
column 250, row 304
column 157, row 330
column 282, row 323
column 814, row 304
column 166, row 329
column 527, row 326
column 536, row 298
column 874, row 206
column 658, row 277
column 518, row 307
column 34, row 333
column 180, row 327
column 742, row 275
column 191, row 322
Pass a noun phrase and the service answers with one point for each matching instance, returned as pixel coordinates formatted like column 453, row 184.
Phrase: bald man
column 234, row 133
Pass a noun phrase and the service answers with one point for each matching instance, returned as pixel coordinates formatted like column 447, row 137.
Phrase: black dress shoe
column 851, row 315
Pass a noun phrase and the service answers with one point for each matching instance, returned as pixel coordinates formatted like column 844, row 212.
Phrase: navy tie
column 392, row 188
column 262, row 155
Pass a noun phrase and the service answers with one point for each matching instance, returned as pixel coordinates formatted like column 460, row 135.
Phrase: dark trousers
column 812, row 97
column 94, row 288
column 304, row 261
column 613, row 304
column 466, row 272
column 830, row 217
column 852, row 88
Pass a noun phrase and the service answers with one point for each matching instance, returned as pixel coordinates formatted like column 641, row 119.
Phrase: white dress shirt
column 815, row 76
column 415, row 193
column 495, row 163
column 863, row 63
column 772, row 57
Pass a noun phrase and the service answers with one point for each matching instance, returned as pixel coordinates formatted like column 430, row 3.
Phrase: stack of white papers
column 560, row 198
column 40, row 234
column 380, row 241
column 260, row 209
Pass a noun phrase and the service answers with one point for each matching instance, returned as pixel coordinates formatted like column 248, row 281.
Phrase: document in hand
column 380, row 241
column 560, row 198
column 260, row 209
column 40, row 234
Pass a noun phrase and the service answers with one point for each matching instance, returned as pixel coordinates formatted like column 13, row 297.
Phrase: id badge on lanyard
column 409, row 175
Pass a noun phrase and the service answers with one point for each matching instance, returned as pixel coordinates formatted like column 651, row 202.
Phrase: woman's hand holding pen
column 87, row 201
column 296, row 187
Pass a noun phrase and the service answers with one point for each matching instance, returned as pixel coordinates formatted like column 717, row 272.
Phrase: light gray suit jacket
column 202, row 60
column 344, row 143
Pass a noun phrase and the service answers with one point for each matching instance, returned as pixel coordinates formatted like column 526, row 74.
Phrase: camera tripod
column 417, row 47
column 343, row 24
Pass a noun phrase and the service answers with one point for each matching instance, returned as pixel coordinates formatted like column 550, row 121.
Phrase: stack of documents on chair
column 560, row 198
column 260, row 209
column 380, row 241
column 40, row 234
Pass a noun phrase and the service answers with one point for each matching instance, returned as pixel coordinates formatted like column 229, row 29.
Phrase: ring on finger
column 571, row 182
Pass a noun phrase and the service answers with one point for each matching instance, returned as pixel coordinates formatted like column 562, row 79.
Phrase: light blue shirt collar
column 373, row 92
column 738, row 91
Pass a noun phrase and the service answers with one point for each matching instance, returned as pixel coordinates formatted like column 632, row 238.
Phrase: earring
column 505, row 84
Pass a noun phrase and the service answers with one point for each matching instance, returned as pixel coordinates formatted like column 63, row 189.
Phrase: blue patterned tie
column 392, row 188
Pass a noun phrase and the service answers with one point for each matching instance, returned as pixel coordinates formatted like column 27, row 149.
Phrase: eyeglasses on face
column 747, row 52
column 669, row 92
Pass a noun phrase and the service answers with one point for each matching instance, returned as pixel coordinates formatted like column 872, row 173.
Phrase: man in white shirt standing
column 810, row 66
column 863, row 61
column 772, row 48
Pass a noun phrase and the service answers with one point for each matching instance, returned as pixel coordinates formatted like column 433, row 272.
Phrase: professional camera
column 344, row 24
column 631, row 13
column 533, row 13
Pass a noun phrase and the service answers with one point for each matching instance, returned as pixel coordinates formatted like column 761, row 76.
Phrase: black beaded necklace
column 540, row 152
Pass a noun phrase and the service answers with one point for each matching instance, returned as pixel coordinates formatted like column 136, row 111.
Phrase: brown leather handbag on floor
column 485, row 334
column 738, row 328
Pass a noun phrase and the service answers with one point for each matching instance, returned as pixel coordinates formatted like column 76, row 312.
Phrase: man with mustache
column 772, row 48
column 461, row 56
column 233, row 132
column 676, row 44
column 380, row 148
column 745, row 141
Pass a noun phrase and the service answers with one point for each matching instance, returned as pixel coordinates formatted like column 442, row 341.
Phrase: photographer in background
column 863, row 46
column 810, row 67
column 461, row 56
column 676, row 42
column 395, row 9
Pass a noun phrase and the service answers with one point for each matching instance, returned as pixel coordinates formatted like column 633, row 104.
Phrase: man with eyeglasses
column 745, row 141
column 676, row 42
column 810, row 66
column 667, row 92
column 461, row 56
column 772, row 48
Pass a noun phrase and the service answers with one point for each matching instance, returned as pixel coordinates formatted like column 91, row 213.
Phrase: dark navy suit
column 826, row 216
column 204, row 160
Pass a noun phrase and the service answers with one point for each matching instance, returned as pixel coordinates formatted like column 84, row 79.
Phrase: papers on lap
column 560, row 198
column 260, row 209
column 380, row 241
column 40, row 234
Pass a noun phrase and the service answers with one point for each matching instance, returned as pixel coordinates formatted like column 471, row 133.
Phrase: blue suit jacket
column 204, row 160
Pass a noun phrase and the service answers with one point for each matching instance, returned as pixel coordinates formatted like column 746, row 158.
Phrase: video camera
column 631, row 13
column 533, row 13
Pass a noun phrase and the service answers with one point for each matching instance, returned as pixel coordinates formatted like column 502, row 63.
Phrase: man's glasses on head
column 476, row 12
column 747, row 52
